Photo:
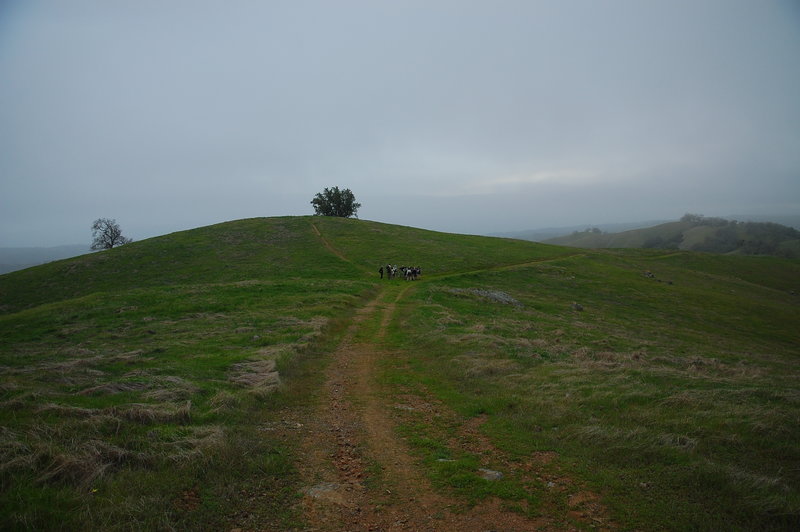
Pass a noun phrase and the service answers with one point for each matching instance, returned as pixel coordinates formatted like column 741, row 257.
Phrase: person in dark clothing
column 381, row 272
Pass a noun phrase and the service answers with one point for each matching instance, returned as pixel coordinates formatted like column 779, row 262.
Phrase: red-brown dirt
column 359, row 475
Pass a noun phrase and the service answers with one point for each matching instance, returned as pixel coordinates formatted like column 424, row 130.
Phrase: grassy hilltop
column 141, row 387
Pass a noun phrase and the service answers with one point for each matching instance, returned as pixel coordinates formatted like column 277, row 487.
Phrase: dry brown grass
column 477, row 365
column 224, row 400
column 197, row 443
column 171, row 388
column 260, row 375
column 144, row 413
column 70, row 454
column 110, row 388
column 66, row 411
column 54, row 458
column 148, row 414
column 87, row 462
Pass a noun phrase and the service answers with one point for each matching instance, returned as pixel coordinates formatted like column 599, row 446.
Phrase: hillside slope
column 259, row 375
column 261, row 249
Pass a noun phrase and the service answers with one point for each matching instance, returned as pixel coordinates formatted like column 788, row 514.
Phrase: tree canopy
column 335, row 202
column 107, row 234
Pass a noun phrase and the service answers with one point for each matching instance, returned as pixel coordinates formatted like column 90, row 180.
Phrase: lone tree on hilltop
column 106, row 234
column 335, row 202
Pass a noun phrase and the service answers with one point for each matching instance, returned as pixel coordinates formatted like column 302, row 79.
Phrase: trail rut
column 359, row 475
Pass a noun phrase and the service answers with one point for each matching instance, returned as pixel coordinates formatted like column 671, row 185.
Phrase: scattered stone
column 490, row 474
column 326, row 491
column 492, row 295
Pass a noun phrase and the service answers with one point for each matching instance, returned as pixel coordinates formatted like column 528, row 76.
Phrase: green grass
column 135, row 382
column 131, row 377
column 371, row 245
column 689, row 389
column 118, row 403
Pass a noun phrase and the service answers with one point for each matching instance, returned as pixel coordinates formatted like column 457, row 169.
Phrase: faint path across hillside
column 508, row 267
column 328, row 245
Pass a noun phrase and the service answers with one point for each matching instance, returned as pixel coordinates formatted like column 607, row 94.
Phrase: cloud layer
column 452, row 115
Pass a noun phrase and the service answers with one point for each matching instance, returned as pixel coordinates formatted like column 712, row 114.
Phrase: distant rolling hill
column 696, row 233
column 548, row 233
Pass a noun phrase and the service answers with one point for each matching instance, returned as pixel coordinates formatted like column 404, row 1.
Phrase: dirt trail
column 328, row 245
column 359, row 475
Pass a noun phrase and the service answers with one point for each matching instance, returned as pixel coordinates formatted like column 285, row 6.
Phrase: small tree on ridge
column 106, row 234
column 335, row 202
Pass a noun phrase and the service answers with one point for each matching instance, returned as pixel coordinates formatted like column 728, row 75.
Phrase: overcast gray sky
column 461, row 116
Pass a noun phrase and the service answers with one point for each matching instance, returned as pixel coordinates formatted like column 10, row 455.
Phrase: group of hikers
column 408, row 273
